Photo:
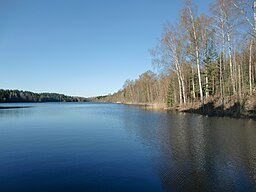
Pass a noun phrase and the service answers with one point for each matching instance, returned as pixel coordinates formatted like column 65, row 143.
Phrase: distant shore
column 14, row 107
column 20, row 96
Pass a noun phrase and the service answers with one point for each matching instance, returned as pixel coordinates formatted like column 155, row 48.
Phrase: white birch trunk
column 239, row 81
column 197, row 55
column 180, row 90
column 231, row 63
column 193, row 85
column 183, row 89
column 250, row 69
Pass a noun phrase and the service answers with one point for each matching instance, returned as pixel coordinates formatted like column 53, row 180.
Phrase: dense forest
column 14, row 96
column 202, row 58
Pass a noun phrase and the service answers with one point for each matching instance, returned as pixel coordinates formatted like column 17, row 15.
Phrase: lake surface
column 111, row 147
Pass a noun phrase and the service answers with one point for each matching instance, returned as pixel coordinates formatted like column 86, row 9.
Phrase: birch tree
column 173, row 46
column 190, row 23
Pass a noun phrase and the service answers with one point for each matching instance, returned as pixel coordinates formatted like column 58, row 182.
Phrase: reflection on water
column 198, row 152
column 98, row 147
column 14, row 113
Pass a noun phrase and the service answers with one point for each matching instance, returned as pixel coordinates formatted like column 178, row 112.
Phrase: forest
column 16, row 96
column 202, row 58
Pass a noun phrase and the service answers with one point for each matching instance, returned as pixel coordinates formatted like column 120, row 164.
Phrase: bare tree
column 244, row 8
column 188, row 18
column 174, row 50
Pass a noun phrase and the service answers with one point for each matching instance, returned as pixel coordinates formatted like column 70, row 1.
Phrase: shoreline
column 15, row 107
column 213, row 107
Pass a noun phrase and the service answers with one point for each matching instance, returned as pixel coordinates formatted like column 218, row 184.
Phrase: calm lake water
column 111, row 147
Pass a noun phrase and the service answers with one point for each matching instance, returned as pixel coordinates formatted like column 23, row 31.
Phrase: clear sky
column 80, row 47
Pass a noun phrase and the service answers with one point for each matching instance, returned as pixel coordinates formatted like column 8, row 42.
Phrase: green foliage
column 169, row 97
column 210, row 57
column 14, row 96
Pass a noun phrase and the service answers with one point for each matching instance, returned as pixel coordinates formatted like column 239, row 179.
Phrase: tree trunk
column 197, row 55
column 183, row 89
column 207, row 85
column 222, row 68
column 254, row 8
column 231, row 64
column 199, row 76
column 235, row 73
column 221, row 88
column 250, row 69
column 239, row 81
column 193, row 85
column 180, row 90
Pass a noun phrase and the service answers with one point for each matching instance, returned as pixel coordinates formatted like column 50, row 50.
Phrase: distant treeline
column 99, row 98
column 15, row 96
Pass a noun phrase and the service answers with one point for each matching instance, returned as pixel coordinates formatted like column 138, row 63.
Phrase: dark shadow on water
column 14, row 112
column 236, row 111
column 198, row 153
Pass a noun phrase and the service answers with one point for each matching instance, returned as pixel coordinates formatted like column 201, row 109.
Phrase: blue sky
column 80, row 47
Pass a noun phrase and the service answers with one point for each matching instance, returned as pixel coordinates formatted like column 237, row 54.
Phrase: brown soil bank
column 230, row 107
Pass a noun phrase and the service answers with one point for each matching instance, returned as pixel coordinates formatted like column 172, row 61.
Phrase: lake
column 114, row 147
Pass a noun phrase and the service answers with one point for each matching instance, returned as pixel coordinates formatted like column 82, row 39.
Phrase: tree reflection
column 197, row 152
